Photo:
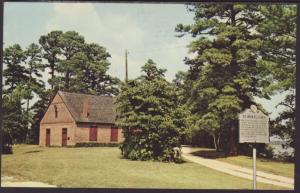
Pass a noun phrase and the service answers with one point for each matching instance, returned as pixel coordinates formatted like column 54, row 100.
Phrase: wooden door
column 64, row 137
column 93, row 133
column 114, row 134
column 47, row 137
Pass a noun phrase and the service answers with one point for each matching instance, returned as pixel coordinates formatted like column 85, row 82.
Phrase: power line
column 126, row 66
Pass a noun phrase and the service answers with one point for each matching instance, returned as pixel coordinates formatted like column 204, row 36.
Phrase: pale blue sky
column 146, row 30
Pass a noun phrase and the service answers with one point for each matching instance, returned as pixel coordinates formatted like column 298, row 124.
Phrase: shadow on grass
column 211, row 154
column 32, row 151
column 182, row 161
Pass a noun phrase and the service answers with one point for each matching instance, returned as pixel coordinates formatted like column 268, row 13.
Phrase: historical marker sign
column 253, row 126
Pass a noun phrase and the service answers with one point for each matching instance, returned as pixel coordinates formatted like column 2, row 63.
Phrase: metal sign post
column 254, row 167
column 253, row 128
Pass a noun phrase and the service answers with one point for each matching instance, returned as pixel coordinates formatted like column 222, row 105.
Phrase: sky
column 145, row 30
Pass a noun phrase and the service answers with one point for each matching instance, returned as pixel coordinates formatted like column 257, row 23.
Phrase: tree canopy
column 148, row 113
column 241, row 51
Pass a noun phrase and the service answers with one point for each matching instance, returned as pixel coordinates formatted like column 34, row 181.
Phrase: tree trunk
column 215, row 143
column 67, row 80
column 218, row 143
column 28, row 83
column 52, row 74
column 233, row 141
column 234, row 69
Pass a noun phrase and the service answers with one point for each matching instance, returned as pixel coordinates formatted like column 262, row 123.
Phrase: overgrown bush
column 152, row 120
column 7, row 149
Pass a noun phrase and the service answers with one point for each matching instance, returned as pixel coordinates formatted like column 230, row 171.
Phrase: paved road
column 238, row 170
column 7, row 181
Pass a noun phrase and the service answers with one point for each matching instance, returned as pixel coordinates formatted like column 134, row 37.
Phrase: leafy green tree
column 14, row 71
column 70, row 44
column 14, row 93
column 34, row 69
column 91, row 66
column 79, row 66
column 182, row 85
column 224, row 72
column 151, row 119
column 51, row 51
column 14, row 126
column 278, row 63
column 284, row 124
column 34, row 85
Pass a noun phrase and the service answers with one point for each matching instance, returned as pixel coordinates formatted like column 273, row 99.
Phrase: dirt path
column 237, row 170
column 7, row 181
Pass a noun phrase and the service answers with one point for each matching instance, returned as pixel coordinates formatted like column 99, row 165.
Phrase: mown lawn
column 266, row 165
column 102, row 167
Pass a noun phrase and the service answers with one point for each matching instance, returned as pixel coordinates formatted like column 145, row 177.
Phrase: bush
column 7, row 149
column 6, row 143
column 153, row 122
column 285, row 157
column 263, row 150
column 285, row 154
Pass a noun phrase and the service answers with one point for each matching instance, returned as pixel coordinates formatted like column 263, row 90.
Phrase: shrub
column 152, row 120
column 7, row 149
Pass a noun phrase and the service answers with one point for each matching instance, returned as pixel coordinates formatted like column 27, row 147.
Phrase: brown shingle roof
column 101, row 109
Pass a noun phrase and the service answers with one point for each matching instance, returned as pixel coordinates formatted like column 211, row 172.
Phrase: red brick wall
column 56, row 133
column 82, row 133
column 64, row 119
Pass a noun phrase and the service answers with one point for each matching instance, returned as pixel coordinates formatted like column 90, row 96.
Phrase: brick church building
column 79, row 118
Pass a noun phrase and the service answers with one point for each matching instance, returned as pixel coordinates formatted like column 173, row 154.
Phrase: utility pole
column 126, row 66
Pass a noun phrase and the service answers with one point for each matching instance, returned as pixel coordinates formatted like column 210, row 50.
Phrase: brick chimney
column 85, row 108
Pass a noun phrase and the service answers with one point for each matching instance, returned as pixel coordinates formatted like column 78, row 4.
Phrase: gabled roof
column 101, row 109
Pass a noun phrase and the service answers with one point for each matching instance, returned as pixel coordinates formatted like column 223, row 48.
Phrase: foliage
column 241, row 51
column 15, row 72
column 17, row 80
column 278, row 64
column 223, row 74
column 77, row 66
column 151, row 119
column 51, row 51
column 14, row 127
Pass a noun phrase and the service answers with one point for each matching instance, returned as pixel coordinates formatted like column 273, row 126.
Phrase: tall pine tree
column 278, row 63
column 224, row 71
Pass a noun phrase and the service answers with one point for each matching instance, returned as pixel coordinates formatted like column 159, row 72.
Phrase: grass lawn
column 265, row 165
column 103, row 167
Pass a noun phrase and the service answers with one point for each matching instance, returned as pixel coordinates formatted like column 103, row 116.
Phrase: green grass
column 266, row 165
column 102, row 167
